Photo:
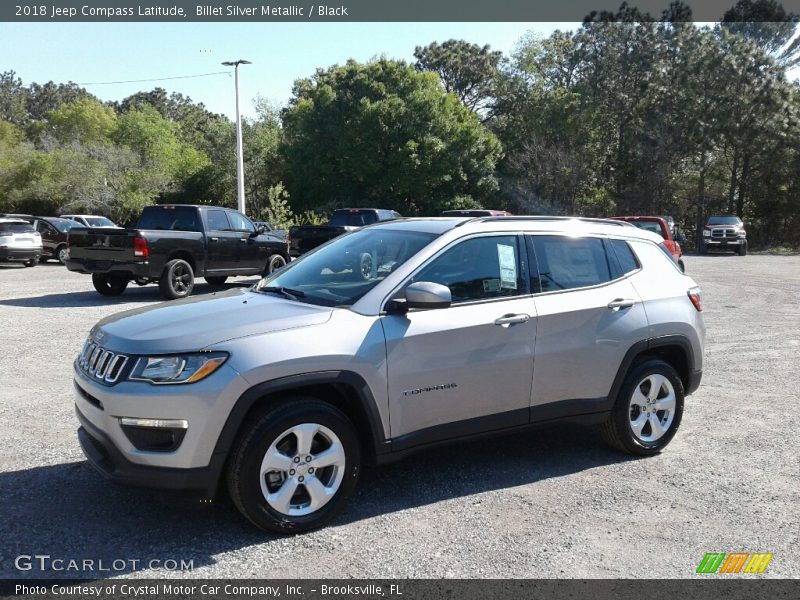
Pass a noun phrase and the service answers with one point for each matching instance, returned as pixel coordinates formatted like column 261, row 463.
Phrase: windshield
column 724, row 221
column 341, row 272
column 653, row 226
column 353, row 218
column 64, row 225
column 99, row 222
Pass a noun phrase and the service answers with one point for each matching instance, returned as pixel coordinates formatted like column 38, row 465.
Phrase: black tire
column 275, row 262
column 366, row 266
column 177, row 279
column 272, row 426
column 61, row 254
column 218, row 280
column 681, row 266
column 617, row 430
column 109, row 285
column 742, row 251
column 31, row 262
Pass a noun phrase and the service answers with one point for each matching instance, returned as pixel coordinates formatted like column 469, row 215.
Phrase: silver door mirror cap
column 426, row 294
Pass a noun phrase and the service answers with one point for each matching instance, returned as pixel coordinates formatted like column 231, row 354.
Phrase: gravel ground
column 555, row 503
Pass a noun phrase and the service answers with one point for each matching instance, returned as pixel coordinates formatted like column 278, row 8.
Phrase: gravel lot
column 555, row 503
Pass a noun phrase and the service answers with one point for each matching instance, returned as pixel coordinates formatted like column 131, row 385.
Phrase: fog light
column 154, row 435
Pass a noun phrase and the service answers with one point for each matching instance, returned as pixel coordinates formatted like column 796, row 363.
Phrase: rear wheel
column 647, row 411
column 62, row 254
column 177, row 279
column 109, row 285
column 294, row 466
column 31, row 262
column 681, row 266
column 275, row 262
column 219, row 280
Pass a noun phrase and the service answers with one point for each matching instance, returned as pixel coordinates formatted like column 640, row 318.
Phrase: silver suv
column 391, row 339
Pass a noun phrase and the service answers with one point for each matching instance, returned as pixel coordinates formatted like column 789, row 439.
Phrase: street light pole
column 239, row 156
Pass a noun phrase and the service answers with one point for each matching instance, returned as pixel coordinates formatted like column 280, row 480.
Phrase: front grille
column 101, row 364
column 723, row 233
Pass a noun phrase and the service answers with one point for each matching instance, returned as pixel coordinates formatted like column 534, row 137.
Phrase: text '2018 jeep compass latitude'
column 390, row 339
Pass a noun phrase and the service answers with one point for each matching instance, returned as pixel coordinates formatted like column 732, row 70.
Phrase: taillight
column 140, row 248
column 696, row 298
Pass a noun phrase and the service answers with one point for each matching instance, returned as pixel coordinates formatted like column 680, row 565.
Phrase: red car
column 659, row 226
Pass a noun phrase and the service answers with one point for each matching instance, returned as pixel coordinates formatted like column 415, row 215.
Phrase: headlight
column 741, row 233
column 706, row 233
column 180, row 368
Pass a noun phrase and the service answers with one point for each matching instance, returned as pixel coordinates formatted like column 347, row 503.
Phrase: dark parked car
column 307, row 237
column 54, row 232
column 724, row 232
column 171, row 245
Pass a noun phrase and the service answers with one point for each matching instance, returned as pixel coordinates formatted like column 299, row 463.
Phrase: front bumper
column 111, row 463
column 20, row 254
column 724, row 243
column 194, row 464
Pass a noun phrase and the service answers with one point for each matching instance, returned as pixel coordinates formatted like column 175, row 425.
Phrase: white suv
column 393, row 338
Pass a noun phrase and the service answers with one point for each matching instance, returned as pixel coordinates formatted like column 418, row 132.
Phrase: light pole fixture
column 239, row 156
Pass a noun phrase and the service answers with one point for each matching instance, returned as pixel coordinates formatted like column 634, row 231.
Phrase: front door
column 467, row 368
column 223, row 242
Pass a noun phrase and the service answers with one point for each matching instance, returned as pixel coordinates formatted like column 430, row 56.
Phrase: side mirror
column 423, row 294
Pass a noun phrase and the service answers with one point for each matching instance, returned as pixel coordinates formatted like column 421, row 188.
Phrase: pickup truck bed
column 179, row 243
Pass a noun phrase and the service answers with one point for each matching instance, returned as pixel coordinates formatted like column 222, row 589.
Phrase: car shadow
column 69, row 511
column 134, row 294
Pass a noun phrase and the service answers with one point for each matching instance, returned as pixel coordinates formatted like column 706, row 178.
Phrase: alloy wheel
column 652, row 408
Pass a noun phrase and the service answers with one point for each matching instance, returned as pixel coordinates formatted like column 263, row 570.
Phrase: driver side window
column 479, row 268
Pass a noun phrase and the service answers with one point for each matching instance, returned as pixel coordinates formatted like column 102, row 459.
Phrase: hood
column 197, row 323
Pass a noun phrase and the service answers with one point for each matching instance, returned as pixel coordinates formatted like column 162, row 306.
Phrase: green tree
column 84, row 121
column 385, row 135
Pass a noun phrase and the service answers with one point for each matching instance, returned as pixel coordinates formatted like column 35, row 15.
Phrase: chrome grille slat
column 101, row 364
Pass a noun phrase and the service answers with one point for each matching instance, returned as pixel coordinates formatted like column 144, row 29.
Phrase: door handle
column 213, row 239
column 621, row 303
column 512, row 319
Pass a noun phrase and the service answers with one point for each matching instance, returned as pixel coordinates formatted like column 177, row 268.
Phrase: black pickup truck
column 171, row 245
column 307, row 237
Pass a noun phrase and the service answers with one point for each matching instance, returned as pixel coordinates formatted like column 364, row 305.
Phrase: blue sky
column 281, row 53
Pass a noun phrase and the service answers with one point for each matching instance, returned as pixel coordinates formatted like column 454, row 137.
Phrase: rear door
column 589, row 315
column 223, row 242
column 467, row 368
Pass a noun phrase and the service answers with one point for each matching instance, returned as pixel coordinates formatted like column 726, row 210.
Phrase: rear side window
column 568, row 262
column 177, row 218
column 625, row 257
column 218, row 221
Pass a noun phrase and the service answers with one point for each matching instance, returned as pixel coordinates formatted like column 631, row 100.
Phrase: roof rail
column 545, row 218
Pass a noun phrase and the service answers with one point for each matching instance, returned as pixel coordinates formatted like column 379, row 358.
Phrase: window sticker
column 508, row 266
column 491, row 285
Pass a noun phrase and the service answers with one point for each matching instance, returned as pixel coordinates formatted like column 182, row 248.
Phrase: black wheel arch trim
column 690, row 382
column 380, row 445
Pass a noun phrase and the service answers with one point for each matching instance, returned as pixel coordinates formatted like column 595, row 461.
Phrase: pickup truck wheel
column 177, row 279
column 219, row 280
column 109, row 285
column 275, row 262
column 742, row 249
column 294, row 466
column 62, row 253
column 647, row 411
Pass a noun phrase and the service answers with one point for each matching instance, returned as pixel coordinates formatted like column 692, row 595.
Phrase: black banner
column 244, row 589
column 342, row 10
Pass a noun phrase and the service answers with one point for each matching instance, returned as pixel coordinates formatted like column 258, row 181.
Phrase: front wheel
column 275, row 262
column 294, row 466
column 109, row 285
column 742, row 249
column 177, row 279
column 681, row 266
column 647, row 411
column 31, row 262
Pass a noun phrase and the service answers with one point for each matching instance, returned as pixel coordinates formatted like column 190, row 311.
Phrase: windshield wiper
column 285, row 292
